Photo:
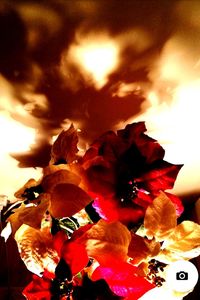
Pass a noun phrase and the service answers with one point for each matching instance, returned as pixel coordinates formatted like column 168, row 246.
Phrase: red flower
column 123, row 280
column 75, row 255
column 39, row 287
column 110, row 210
column 73, row 251
column 58, row 241
column 127, row 170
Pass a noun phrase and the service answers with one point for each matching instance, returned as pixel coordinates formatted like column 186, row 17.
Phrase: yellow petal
column 30, row 183
column 168, row 256
column 160, row 218
column 185, row 237
column 107, row 241
column 31, row 215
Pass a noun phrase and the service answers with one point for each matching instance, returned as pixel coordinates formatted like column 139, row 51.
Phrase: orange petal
column 107, row 241
column 67, row 199
column 141, row 248
column 31, row 215
column 65, row 146
column 61, row 176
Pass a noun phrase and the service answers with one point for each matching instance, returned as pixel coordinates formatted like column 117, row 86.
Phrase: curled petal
column 108, row 145
column 65, row 146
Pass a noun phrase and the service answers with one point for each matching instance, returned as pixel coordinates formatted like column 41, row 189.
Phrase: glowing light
column 98, row 57
column 174, row 122
column 171, row 110
column 15, row 138
column 177, row 121
column 98, row 60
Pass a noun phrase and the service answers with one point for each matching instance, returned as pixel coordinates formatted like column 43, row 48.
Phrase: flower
column 39, row 287
column 126, row 175
column 123, row 280
column 161, row 238
column 107, row 245
column 125, row 171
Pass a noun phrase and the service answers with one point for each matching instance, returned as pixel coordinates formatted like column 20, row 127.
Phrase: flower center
column 128, row 192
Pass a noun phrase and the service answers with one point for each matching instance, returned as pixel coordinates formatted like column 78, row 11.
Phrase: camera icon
column 181, row 275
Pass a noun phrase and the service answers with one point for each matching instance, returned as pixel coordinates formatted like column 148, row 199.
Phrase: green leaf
column 68, row 225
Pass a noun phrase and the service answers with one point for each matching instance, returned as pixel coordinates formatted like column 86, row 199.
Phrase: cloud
column 46, row 85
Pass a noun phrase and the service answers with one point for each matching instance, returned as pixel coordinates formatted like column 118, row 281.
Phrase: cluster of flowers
column 101, row 225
